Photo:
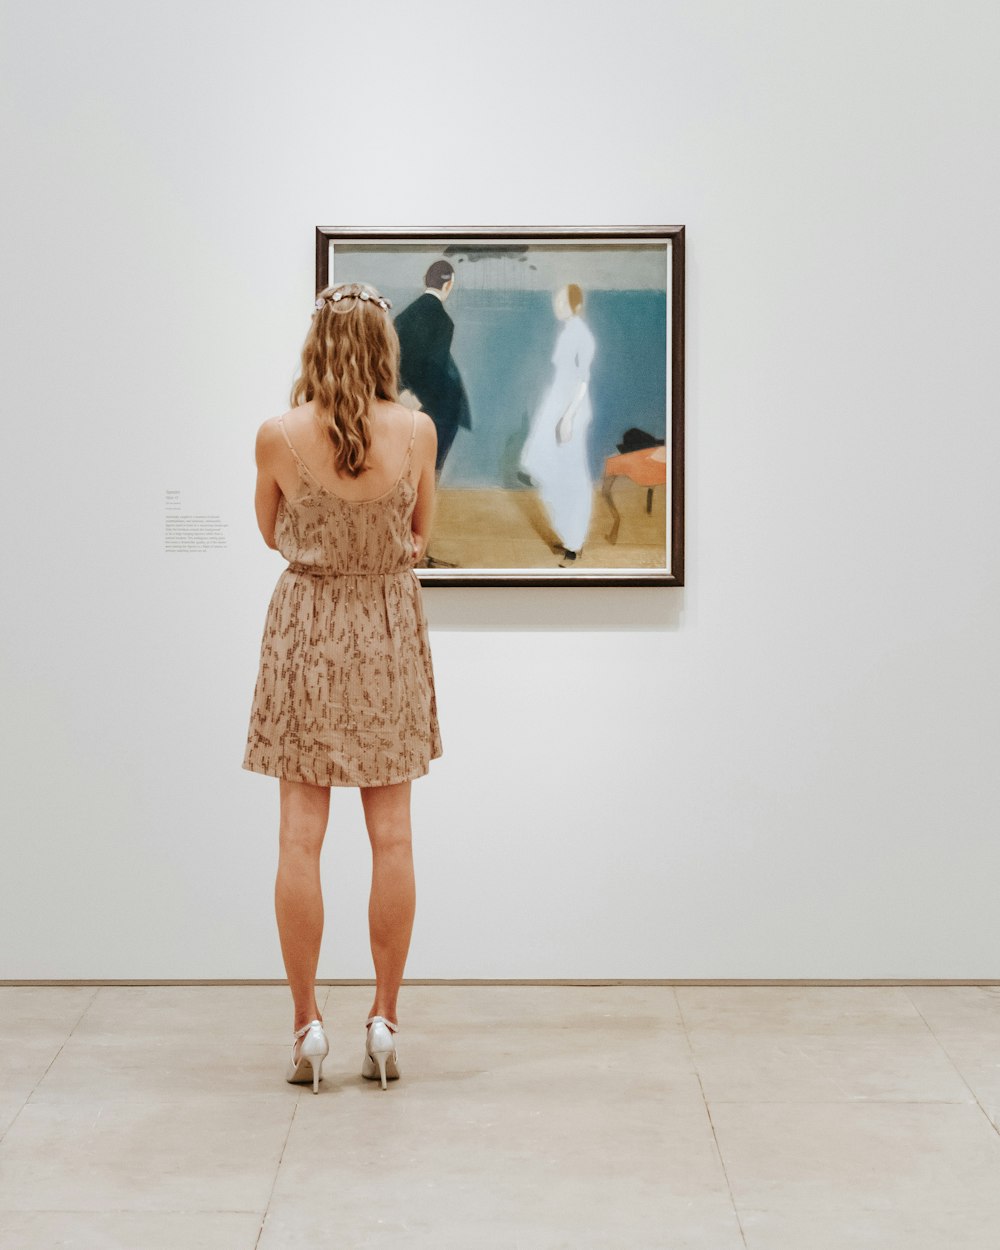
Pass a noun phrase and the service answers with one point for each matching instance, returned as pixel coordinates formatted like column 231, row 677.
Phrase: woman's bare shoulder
column 270, row 425
column 295, row 418
column 401, row 418
column 394, row 410
column 422, row 422
column 426, row 430
column 268, row 433
column 271, row 437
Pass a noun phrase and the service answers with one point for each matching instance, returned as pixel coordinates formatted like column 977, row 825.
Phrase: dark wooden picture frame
column 501, row 336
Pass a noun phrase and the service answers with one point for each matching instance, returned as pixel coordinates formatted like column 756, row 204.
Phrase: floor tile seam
column 680, row 1017
column 718, row 1147
column 277, row 1169
column 843, row 1102
column 836, row 1102
column 157, row 1211
column 889, row 1208
column 857, row 1208
column 693, row 1060
column 994, row 1125
column 917, row 1008
column 264, row 1097
column 844, row 1034
column 220, row 1102
column 59, row 1049
column 709, row 1116
column 920, row 1012
column 701, row 1088
column 888, row 1205
column 194, row 1041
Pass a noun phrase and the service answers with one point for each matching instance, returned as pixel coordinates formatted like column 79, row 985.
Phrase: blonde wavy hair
column 350, row 358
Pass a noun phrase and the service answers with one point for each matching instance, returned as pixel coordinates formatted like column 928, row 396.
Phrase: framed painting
column 551, row 361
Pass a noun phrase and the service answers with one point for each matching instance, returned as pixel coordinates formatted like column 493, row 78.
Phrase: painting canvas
column 551, row 362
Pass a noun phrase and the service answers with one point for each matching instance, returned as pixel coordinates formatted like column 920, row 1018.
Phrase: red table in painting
column 646, row 467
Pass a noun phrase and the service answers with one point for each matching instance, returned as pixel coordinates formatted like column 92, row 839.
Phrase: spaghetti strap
column 298, row 459
column 413, row 435
column 281, row 422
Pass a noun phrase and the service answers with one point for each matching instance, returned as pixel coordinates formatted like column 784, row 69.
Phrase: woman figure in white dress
column 555, row 451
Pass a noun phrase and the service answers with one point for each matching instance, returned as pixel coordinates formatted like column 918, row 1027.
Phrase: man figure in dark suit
column 426, row 365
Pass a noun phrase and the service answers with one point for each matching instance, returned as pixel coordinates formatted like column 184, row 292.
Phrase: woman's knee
column 390, row 834
column 387, row 817
column 305, row 811
column 300, row 837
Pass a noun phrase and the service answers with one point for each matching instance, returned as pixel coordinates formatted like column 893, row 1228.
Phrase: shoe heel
column 316, row 1055
column 380, row 1052
column 315, row 1048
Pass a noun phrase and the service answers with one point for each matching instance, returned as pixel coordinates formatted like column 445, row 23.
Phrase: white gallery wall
column 785, row 769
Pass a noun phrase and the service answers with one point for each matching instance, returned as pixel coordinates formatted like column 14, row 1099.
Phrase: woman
column 345, row 688
column 555, row 452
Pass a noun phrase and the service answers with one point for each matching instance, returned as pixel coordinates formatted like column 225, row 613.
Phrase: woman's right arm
column 424, row 455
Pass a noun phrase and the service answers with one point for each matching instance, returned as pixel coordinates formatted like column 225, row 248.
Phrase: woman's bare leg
column 298, row 896
column 392, row 902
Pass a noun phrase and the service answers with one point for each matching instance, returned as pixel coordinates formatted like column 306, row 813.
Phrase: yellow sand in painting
column 508, row 529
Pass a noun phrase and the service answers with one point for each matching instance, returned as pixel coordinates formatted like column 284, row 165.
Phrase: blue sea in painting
column 503, row 345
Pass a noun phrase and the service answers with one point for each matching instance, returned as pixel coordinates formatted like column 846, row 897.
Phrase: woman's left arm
column 268, row 493
column 582, row 356
column 564, row 429
column 423, row 510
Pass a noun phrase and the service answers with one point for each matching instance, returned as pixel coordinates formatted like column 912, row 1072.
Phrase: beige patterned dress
column 345, row 689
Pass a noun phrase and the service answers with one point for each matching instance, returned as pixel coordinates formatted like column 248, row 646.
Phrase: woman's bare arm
column 424, row 455
column 268, row 493
column 564, row 428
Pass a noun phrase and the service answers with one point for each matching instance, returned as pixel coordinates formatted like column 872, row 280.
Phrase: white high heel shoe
column 380, row 1049
column 314, row 1049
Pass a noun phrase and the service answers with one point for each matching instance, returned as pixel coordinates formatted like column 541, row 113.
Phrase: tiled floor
column 526, row 1118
